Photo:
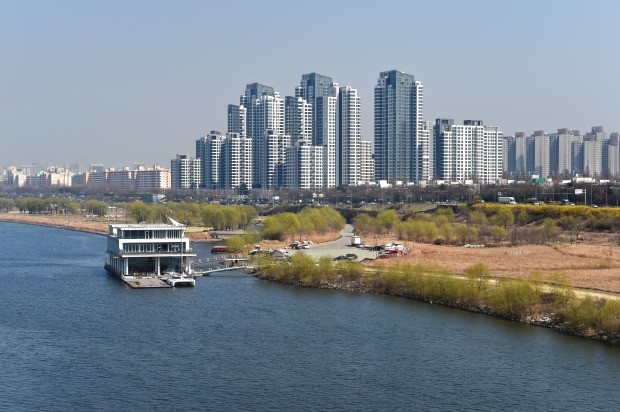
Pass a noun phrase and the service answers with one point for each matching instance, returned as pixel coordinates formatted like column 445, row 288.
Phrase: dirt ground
column 584, row 265
column 73, row 222
column 85, row 224
column 594, row 263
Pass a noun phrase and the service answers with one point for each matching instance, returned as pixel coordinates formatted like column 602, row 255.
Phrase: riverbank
column 81, row 223
column 514, row 300
column 70, row 222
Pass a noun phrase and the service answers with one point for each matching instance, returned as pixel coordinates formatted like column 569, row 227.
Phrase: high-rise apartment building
column 399, row 147
column 592, row 156
column 349, row 136
column 237, row 120
column 185, row 172
column 303, row 166
column 542, row 158
column 322, row 94
column 467, row 152
column 264, row 111
column 253, row 92
column 298, row 119
column 315, row 86
column 236, row 162
column 561, row 152
column 367, row 162
column 326, row 134
column 613, row 159
column 272, row 147
column 209, row 151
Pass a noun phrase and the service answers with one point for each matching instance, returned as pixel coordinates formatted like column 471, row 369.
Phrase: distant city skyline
column 122, row 83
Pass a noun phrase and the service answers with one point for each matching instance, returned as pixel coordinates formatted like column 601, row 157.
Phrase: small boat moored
column 219, row 249
column 179, row 279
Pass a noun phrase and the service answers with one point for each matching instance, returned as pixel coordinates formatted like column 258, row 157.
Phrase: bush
column 514, row 297
column 582, row 313
column 610, row 316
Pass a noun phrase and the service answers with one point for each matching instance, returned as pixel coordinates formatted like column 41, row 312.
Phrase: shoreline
column 57, row 221
column 78, row 224
column 549, row 321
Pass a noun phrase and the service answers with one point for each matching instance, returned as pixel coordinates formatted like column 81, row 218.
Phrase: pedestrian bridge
column 207, row 266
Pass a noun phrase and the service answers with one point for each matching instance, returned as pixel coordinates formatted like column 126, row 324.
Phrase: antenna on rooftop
column 174, row 222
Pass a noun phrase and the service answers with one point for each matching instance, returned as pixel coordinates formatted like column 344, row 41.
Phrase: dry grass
column 73, row 222
column 586, row 266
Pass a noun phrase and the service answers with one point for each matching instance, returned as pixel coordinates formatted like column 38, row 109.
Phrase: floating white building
column 148, row 250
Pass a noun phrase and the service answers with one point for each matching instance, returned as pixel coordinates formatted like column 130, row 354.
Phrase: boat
column 219, row 249
column 179, row 279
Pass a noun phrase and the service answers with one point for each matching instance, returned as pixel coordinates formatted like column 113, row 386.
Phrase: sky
column 126, row 82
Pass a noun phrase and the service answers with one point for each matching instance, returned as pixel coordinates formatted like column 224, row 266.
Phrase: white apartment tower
column 349, row 137
column 237, row 120
column 209, row 151
column 592, row 157
column 563, row 145
column 298, row 119
column 421, row 147
column 470, row 151
column 322, row 93
column 542, row 164
column 267, row 113
column 272, row 147
column 367, row 162
column 236, row 162
column 400, row 151
column 326, row 134
column 304, row 166
column 185, row 172
column 489, row 155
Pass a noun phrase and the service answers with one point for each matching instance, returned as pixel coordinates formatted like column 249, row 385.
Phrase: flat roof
column 146, row 226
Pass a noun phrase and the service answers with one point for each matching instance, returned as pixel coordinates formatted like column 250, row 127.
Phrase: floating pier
column 150, row 255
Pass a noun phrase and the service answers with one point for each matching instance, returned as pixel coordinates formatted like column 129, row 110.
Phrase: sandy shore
column 72, row 222
column 84, row 224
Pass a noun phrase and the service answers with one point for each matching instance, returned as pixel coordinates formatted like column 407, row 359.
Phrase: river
column 73, row 337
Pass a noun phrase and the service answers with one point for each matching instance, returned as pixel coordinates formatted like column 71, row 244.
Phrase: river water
column 73, row 337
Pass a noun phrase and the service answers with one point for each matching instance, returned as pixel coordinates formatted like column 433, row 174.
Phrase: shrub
column 582, row 313
column 610, row 316
column 514, row 297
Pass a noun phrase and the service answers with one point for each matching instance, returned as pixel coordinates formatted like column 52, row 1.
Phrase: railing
column 158, row 252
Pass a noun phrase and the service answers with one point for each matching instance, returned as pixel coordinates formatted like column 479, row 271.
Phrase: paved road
column 339, row 247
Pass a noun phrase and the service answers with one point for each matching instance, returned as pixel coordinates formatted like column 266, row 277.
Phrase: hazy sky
column 124, row 82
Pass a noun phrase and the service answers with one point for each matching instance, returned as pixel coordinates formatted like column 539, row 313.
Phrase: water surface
column 73, row 337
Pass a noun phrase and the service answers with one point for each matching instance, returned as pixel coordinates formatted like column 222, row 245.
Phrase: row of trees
column 53, row 205
column 490, row 223
column 213, row 216
column 598, row 219
column 439, row 227
column 283, row 226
